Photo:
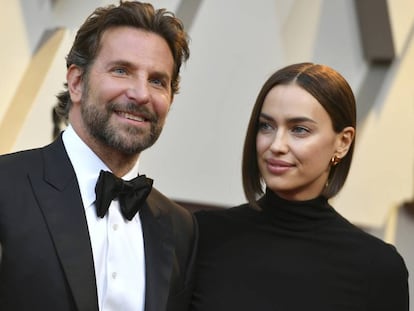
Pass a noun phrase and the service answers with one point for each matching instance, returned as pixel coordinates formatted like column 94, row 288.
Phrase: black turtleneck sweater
column 294, row 256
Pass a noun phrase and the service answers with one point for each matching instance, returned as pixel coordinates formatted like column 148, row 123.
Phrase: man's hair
column 135, row 14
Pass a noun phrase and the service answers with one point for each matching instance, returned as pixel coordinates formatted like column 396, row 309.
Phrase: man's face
column 126, row 94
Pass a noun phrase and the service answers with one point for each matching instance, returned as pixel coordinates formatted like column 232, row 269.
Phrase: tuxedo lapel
column 59, row 199
column 157, row 231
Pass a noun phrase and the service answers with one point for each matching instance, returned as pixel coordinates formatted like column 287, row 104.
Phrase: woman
column 287, row 248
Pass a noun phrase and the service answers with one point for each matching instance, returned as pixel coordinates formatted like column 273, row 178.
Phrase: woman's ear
column 344, row 141
column 74, row 78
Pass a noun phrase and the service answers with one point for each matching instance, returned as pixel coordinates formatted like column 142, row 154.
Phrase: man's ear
column 344, row 141
column 74, row 78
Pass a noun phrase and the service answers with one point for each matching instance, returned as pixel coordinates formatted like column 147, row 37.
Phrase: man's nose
column 139, row 91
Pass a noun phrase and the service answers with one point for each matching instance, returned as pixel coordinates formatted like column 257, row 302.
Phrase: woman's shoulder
column 225, row 222
column 381, row 255
column 386, row 274
column 229, row 215
column 384, row 257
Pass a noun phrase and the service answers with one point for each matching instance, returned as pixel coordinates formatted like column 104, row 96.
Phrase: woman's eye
column 300, row 130
column 265, row 126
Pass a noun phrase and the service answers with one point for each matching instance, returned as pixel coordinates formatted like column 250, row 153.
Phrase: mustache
column 133, row 108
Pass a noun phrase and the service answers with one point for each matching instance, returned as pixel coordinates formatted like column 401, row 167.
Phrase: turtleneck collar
column 296, row 215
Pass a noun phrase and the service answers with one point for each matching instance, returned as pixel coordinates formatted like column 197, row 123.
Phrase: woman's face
column 295, row 143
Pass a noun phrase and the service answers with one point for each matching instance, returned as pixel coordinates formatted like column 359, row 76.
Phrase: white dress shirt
column 117, row 244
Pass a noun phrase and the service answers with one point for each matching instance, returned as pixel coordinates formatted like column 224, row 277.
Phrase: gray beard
column 126, row 139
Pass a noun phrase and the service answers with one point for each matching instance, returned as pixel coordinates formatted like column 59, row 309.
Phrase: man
column 62, row 250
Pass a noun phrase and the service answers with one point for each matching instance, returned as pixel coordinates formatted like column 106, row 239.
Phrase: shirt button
column 114, row 275
column 115, row 227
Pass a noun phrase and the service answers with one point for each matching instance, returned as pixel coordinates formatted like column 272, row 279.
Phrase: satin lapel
column 157, row 231
column 59, row 199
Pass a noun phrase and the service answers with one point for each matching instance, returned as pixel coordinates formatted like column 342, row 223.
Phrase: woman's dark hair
column 335, row 95
column 130, row 13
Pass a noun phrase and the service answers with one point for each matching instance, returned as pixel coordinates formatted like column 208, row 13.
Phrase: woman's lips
column 278, row 166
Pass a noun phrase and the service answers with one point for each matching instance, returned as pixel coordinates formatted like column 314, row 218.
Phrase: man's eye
column 119, row 71
column 158, row 82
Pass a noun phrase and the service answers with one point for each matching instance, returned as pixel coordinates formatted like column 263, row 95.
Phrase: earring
column 335, row 160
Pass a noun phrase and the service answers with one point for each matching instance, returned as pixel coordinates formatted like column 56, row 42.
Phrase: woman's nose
column 280, row 142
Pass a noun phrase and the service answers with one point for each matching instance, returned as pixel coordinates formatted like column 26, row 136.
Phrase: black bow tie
column 132, row 194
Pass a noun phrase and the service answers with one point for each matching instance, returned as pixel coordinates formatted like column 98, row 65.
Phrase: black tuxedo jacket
column 46, row 257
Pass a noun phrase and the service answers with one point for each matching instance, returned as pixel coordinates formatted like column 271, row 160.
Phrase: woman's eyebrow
column 289, row 120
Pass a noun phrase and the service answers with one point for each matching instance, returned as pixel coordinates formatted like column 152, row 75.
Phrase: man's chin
column 133, row 146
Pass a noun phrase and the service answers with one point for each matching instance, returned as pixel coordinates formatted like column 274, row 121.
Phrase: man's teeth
column 132, row 117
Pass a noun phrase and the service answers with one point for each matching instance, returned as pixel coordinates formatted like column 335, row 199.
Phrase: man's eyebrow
column 124, row 63
column 120, row 63
column 161, row 74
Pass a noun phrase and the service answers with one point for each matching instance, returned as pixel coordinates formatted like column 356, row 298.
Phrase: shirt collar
column 87, row 165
